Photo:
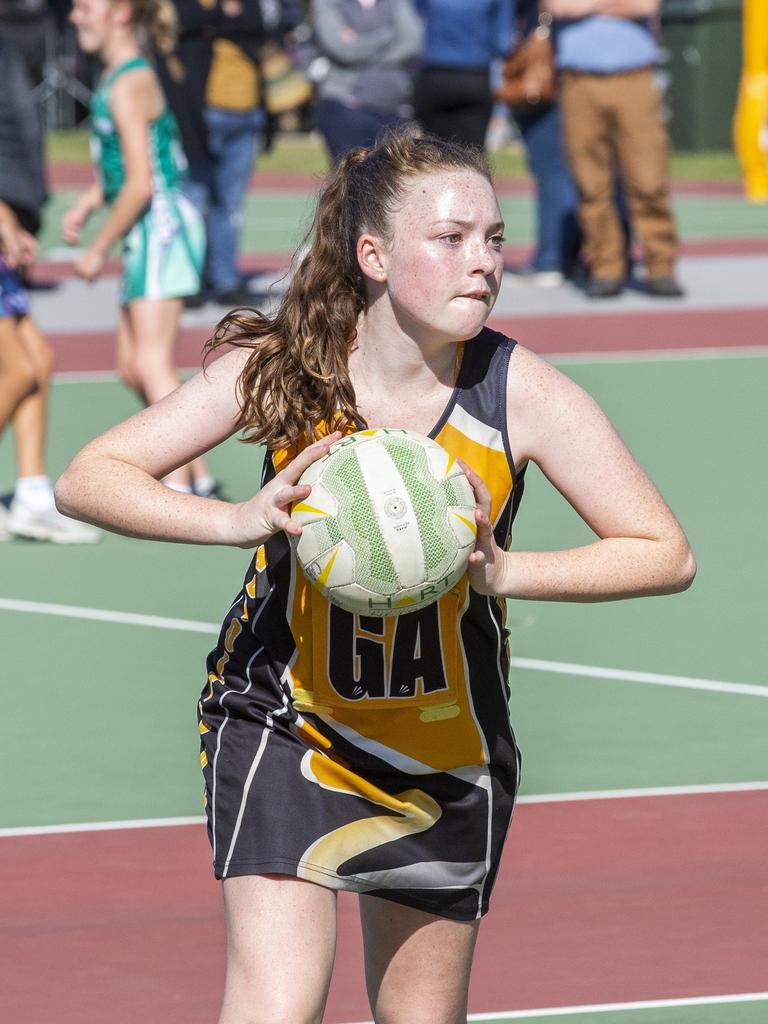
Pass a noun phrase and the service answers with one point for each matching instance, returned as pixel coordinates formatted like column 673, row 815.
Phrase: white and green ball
column 389, row 525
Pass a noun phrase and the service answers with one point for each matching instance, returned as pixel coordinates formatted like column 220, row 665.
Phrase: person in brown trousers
column 605, row 53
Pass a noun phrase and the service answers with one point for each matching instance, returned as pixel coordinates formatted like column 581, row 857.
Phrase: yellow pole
column 750, row 122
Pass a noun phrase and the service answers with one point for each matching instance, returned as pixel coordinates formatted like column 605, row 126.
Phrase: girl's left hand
column 486, row 561
column 90, row 265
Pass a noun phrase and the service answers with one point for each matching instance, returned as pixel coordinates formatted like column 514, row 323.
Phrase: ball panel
column 395, row 514
column 344, row 478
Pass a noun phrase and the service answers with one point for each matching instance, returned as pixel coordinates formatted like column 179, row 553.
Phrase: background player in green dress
column 140, row 167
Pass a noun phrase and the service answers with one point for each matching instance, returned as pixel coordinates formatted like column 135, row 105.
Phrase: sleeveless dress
column 163, row 251
column 371, row 754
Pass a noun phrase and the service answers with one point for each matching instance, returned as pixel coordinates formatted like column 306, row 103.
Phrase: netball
column 389, row 525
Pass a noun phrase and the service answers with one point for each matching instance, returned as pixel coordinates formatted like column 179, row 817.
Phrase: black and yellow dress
column 371, row 754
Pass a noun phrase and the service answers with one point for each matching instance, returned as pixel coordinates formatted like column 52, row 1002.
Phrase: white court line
column 533, row 798
column 533, row 664
column 653, row 678
column 648, row 1004
column 70, row 611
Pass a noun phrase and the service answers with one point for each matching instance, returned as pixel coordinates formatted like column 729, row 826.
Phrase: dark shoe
column 195, row 301
column 605, row 287
column 664, row 288
column 234, row 297
column 214, row 491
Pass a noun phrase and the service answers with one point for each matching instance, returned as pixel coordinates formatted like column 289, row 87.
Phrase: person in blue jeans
column 234, row 139
column 235, row 122
column 558, row 236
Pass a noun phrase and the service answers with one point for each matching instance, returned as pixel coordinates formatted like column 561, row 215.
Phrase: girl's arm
column 134, row 103
column 641, row 549
column 74, row 219
column 114, row 481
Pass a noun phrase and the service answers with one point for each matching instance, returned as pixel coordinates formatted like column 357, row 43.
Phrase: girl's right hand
column 255, row 521
column 72, row 224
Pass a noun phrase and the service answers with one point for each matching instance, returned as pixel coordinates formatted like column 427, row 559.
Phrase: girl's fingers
column 482, row 494
column 287, row 495
column 310, row 454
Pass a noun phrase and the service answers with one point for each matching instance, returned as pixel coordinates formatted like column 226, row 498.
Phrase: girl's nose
column 483, row 260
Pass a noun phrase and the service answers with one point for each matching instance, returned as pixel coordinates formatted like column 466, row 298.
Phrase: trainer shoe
column 239, row 297
column 605, row 287
column 49, row 524
column 208, row 490
column 664, row 288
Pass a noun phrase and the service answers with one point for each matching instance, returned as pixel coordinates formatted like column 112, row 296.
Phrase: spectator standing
column 236, row 122
column 558, row 237
column 183, row 73
column 453, row 97
column 606, row 51
column 370, row 47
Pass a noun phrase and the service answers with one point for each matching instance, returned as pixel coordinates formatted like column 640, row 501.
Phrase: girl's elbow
column 69, row 490
column 683, row 572
column 64, row 493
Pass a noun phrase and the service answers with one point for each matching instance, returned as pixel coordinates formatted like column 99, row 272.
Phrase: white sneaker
column 49, row 524
column 546, row 278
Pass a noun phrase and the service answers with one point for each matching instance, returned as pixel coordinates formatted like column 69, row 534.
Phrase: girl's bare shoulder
column 137, row 91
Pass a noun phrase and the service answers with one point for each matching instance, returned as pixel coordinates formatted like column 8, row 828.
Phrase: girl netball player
column 329, row 762
column 140, row 164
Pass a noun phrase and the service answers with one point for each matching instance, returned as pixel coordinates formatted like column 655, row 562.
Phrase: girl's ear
column 370, row 256
column 122, row 12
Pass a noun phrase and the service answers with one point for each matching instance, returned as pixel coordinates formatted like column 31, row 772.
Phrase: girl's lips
column 480, row 296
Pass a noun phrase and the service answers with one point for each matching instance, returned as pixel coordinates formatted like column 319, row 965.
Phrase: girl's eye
column 451, row 238
column 497, row 241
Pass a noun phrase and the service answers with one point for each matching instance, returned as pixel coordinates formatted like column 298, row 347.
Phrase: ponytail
column 297, row 376
column 160, row 20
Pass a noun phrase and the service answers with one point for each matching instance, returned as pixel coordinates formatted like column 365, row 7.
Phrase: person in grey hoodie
column 366, row 80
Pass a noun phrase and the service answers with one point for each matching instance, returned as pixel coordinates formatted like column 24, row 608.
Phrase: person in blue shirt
column 453, row 97
column 605, row 52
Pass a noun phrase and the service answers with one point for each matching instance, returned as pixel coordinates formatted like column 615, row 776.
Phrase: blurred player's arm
column 73, row 221
column 133, row 103
column 615, row 8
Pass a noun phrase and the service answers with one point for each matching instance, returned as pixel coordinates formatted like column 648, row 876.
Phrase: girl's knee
column 19, row 381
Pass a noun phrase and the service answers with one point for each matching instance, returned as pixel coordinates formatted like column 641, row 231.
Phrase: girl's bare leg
column 17, row 376
column 124, row 354
column 29, row 420
column 417, row 965
column 281, row 942
column 150, row 332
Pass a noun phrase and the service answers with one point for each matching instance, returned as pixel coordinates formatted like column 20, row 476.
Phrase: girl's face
column 96, row 20
column 443, row 268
